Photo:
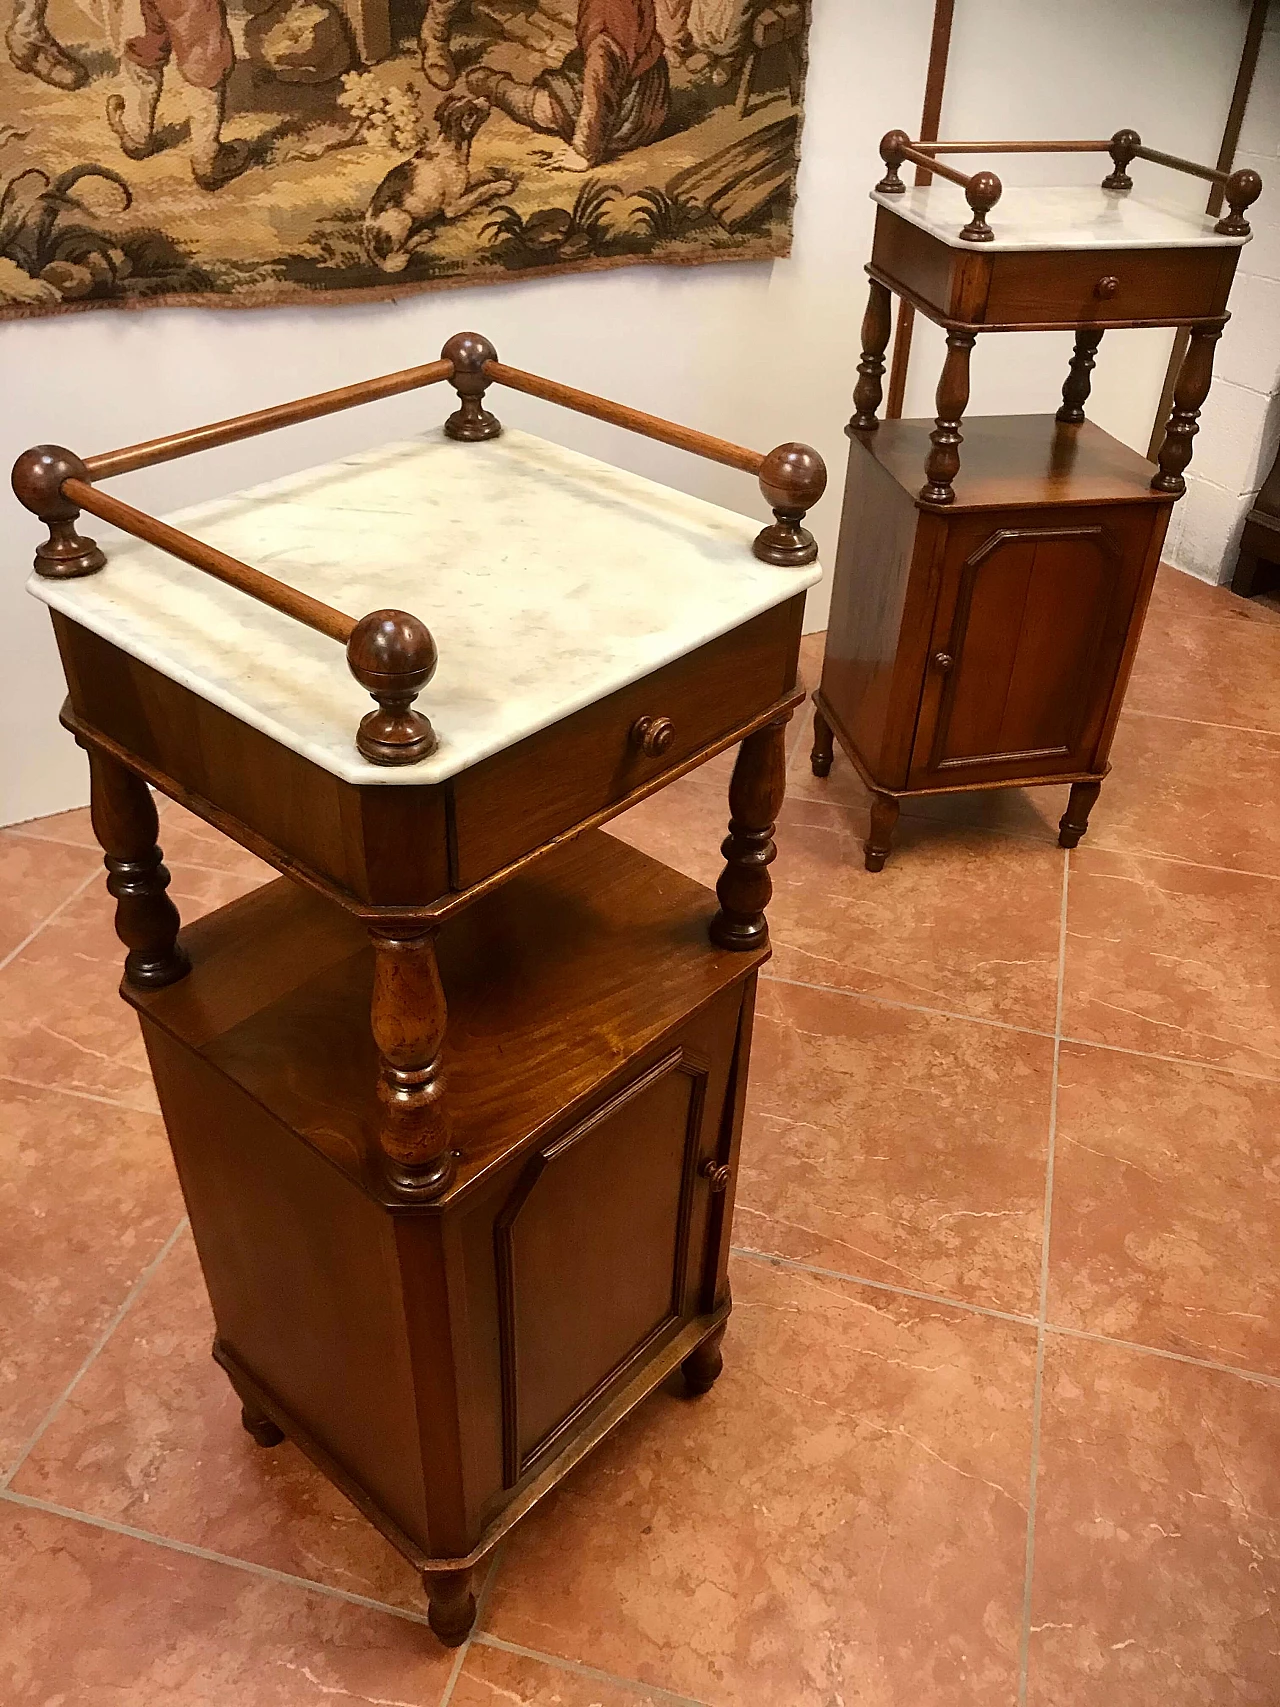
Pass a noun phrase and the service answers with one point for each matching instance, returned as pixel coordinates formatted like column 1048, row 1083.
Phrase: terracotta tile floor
column 1000, row 1417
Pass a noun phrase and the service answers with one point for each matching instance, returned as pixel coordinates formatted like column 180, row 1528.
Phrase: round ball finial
column 471, row 422
column 392, row 655
column 1242, row 189
column 1124, row 146
column 37, row 479
column 893, row 151
column 982, row 192
column 468, row 351
column 792, row 478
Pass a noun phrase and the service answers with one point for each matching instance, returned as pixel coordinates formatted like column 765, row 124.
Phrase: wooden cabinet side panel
column 880, row 616
column 610, row 1261
column 303, row 1277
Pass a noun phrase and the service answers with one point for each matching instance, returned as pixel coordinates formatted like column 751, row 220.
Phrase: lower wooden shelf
column 446, row 1364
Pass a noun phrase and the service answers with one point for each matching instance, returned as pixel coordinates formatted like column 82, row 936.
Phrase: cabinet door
column 1027, row 643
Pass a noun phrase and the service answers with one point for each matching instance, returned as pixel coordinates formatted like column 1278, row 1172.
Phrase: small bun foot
column 1075, row 820
column 262, row 1429
column 884, row 818
column 823, row 745
column 701, row 1369
column 451, row 1606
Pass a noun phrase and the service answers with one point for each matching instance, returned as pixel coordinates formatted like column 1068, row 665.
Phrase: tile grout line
column 655, row 1691
column 287, row 1579
column 60, row 908
column 750, row 1255
column 1037, row 1392
column 189, row 1548
column 129, row 1299
column 909, row 1007
column 1201, row 722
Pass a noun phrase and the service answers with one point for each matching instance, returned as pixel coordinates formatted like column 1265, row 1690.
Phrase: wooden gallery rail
column 390, row 652
column 982, row 190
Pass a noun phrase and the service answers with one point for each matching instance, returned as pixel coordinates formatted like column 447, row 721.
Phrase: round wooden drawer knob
column 1106, row 287
column 718, row 1176
column 943, row 661
column 653, row 735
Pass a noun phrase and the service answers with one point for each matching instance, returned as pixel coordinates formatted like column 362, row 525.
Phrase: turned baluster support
column 408, row 1017
column 884, row 821
column 792, row 478
column 1078, row 383
column 943, row 462
column 755, row 798
column 876, row 326
column 1123, row 150
column 1189, row 392
column 702, row 1368
column 471, row 421
column 37, row 480
column 126, row 824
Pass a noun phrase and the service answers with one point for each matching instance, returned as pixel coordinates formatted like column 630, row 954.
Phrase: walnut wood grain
column 756, row 791
column 125, row 822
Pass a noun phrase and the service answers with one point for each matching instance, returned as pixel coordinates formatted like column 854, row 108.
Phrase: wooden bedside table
column 986, row 606
column 456, row 1110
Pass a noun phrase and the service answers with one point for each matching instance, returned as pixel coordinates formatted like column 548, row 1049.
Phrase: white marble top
column 1078, row 216
column 548, row 580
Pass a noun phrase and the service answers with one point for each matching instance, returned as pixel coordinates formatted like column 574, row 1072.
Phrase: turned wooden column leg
column 1078, row 383
column 943, row 462
column 1189, row 392
column 451, row 1606
column 701, row 1369
column 408, row 1017
column 824, row 750
column 884, row 819
column 260, row 1427
column 876, row 323
column 126, row 825
column 755, row 799
column 1075, row 820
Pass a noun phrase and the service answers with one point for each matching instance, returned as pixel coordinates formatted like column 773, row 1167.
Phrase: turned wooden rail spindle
column 389, row 652
column 982, row 190
column 408, row 1017
column 264, row 420
column 792, row 477
column 466, row 354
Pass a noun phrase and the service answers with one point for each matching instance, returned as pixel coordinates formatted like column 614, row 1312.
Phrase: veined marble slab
column 548, row 580
column 1077, row 216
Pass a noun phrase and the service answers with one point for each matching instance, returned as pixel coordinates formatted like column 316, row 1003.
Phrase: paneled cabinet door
column 1027, row 641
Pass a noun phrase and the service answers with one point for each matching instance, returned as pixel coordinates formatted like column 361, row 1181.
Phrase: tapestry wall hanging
column 250, row 152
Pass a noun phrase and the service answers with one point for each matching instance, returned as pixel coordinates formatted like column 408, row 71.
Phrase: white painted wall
column 1240, row 422
column 758, row 353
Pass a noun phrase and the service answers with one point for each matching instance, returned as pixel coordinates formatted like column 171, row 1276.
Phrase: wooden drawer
column 1164, row 285
column 521, row 798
